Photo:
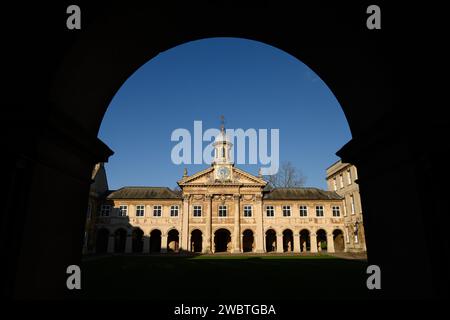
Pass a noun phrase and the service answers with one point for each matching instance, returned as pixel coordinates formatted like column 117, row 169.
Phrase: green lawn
column 223, row 277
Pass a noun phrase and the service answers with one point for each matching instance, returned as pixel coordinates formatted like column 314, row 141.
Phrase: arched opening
column 321, row 240
column 271, row 240
column 137, row 240
column 338, row 238
column 101, row 244
column 305, row 244
column 173, row 241
column 155, row 241
column 196, row 241
column 120, row 240
column 247, row 241
column 288, row 241
column 222, row 241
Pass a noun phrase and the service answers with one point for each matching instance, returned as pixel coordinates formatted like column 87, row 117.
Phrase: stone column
column 184, row 246
column 259, row 236
column 207, row 238
column 111, row 241
column 237, row 226
column 146, row 247
column 279, row 242
column 330, row 242
column 164, row 243
column 313, row 241
column 297, row 242
column 129, row 244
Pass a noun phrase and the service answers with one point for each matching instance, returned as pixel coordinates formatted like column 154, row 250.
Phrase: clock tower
column 222, row 162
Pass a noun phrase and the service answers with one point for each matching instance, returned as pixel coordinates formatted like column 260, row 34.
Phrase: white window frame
column 352, row 202
column 248, row 211
column 105, row 210
column 222, row 208
column 319, row 208
column 287, row 209
column 270, row 209
column 157, row 208
column 336, row 211
column 303, row 211
column 123, row 210
column 174, row 209
column 197, row 208
column 138, row 210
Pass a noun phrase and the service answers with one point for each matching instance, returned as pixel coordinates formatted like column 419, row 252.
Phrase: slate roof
column 144, row 193
column 301, row 194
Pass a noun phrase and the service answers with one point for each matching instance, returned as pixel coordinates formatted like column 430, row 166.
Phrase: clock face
column 224, row 172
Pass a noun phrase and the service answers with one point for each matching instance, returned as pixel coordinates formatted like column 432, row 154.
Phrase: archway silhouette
column 106, row 53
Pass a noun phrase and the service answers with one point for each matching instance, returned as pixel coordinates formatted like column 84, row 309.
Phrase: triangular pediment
column 206, row 177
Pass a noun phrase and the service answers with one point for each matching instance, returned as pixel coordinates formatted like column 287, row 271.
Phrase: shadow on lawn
column 212, row 278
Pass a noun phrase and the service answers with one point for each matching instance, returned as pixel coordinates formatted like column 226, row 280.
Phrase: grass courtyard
column 223, row 277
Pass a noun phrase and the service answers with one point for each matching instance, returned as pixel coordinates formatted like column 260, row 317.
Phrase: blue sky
column 252, row 84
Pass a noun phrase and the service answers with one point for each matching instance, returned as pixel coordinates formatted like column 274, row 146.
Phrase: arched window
column 223, row 152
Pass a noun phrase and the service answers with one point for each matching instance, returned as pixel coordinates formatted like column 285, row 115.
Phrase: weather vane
column 222, row 122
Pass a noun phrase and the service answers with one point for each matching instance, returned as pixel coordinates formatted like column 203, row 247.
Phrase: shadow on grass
column 216, row 277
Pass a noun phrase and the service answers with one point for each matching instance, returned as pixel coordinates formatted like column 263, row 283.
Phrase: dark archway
column 288, row 241
column 222, row 241
column 271, row 240
column 101, row 243
column 173, row 241
column 321, row 236
column 247, row 241
column 305, row 244
column 137, row 240
column 155, row 241
column 120, row 240
column 71, row 113
column 338, row 238
column 196, row 241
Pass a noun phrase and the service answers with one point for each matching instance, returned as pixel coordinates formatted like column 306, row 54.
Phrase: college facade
column 225, row 209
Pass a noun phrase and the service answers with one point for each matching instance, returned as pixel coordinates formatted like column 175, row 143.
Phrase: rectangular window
column 336, row 211
column 157, row 211
column 247, row 211
column 270, row 212
column 303, row 211
column 123, row 211
column 105, row 210
column 174, row 211
column 334, row 184
column 139, row 211
column 349, row 176
column 286, row 211
column 352, row 200
column 197, row 211
column 341, row 180
column 319, row 211
column 222, row 211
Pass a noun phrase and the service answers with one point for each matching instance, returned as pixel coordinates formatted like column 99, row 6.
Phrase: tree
column 287, row 176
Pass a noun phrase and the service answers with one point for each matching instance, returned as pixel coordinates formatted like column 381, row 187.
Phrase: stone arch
column 222, row 240
column 248, row 240
column 196, row 240
column 288, row 240
column 173, row 240
column 155, row 240
column 271, row 240
column 137, row 240
column 102, row 239
column 339, row 241
column 120, row 240
column 305, row 240
column 321, row 236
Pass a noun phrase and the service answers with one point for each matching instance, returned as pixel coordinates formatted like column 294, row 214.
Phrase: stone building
column 342, row 179
column 223, row 209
